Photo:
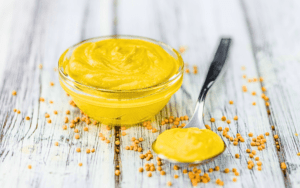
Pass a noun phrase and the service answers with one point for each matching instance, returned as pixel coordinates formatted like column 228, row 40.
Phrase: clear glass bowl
column 121, row 107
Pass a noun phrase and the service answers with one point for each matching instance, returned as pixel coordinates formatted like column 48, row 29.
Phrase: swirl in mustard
column 120, row 64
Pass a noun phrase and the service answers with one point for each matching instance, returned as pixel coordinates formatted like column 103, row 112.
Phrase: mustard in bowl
column 120, row 79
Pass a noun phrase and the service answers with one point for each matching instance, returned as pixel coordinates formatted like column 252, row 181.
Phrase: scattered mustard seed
column 56, row 143
column 27, row 118
column 67, row 112
column 79, row 164
column 182, row 49
column 261, row 79
column 88, row 151
column 51, row 84
column 117, row 172
column 258, row 163
column 208, row 127
column 18, row 112
column 169, row 183
column 283, row 166
column 29, row 166
column 77, row 136
column 64, row 127
column 85, row 128
column 212, row 119
column 186, row 117
column 14, row 93
column 267, row 133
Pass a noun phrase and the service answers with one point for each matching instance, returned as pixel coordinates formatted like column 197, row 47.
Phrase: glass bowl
column 121, row 107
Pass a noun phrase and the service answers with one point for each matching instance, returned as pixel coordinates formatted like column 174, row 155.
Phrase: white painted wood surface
column 265, row 35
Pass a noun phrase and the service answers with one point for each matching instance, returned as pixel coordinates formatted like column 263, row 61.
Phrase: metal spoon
column 213, row 72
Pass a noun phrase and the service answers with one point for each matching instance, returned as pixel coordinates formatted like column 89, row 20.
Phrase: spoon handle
column 215, row 67
column 213, row 72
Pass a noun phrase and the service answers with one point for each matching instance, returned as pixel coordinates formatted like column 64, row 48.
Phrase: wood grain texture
column 40, row 31
column 37, row 32
column 214, row 19
column 275, row 38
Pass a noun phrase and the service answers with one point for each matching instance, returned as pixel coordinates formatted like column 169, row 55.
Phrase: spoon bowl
column 194, row 162
column 197, row 120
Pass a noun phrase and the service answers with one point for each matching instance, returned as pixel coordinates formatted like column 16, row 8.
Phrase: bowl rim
column 157, row 86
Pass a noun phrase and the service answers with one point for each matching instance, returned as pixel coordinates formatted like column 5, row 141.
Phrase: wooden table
column 266, row 41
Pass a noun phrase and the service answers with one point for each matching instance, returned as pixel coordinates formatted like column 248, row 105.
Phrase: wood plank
column 40, row 31
column 199, row 26
column 7, row 15
column 275, row 37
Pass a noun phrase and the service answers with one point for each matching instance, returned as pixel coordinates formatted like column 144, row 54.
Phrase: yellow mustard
column 120, row 80
column 189, row 144
column 120, row 64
